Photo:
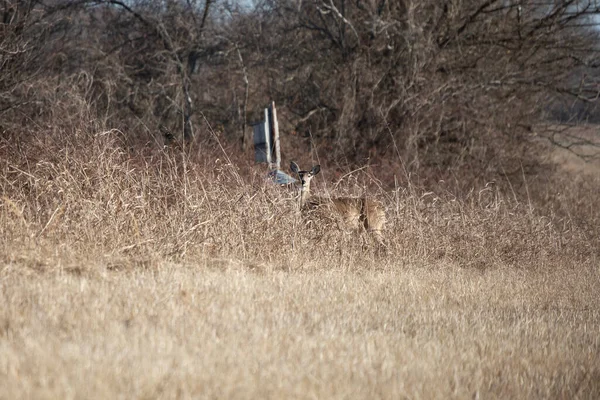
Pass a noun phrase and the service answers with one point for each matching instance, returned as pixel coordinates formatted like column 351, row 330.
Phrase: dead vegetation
column 167, row 276
column 143, row 255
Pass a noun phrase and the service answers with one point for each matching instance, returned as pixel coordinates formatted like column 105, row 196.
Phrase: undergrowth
column 93, row 196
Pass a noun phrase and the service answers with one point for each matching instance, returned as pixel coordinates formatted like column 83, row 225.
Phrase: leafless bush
column 92, row 194
column 439, row 84
column 416, row 91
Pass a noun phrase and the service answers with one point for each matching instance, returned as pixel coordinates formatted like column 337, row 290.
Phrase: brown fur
column 354, row 212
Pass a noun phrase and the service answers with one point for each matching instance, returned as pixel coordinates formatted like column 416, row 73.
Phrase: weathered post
column 276, row 136
column 268, row 137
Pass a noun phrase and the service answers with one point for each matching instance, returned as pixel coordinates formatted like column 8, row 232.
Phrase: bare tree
column 31, row 38
column 179, row 28
column 450, row 81
column 438, row 84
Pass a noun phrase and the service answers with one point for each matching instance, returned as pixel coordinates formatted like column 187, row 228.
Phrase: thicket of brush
column 87, row 193
column 447, row 87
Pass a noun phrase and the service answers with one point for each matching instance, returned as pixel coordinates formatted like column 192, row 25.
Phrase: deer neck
column 304, row 196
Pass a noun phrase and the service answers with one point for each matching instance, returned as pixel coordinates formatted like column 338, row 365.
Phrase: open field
column 221, row 330
column 129, row 276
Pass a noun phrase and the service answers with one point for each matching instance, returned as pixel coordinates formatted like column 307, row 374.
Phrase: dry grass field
column 133, row 276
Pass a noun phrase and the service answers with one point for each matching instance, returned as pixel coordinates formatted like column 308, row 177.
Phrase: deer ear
column 315, row 169
column 294, row 167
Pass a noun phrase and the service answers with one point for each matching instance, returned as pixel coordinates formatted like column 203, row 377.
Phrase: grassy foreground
column 129, row 276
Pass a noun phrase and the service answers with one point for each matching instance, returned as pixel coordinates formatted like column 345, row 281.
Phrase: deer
column 356, row 213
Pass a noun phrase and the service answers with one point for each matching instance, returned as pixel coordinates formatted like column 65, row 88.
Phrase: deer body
column 354, row 212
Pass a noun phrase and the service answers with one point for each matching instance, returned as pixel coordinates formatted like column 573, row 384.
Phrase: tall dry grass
column 169, row 274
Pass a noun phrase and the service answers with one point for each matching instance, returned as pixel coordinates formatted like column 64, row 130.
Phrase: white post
column 276, row 135
column 268, row 138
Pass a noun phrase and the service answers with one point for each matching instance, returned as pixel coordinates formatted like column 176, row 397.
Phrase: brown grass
column 127, row 275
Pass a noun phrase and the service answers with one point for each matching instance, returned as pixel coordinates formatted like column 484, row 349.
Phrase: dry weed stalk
column 93, row 195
